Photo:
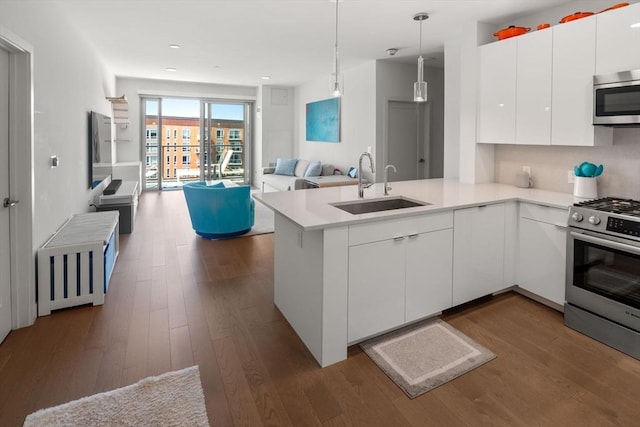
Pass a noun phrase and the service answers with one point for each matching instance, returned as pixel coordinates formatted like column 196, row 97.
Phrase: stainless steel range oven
column 603, row 272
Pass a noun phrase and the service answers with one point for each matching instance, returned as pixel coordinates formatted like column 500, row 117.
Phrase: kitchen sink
column 377, row 205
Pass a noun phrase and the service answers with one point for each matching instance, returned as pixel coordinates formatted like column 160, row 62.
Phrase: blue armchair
column 217, row 211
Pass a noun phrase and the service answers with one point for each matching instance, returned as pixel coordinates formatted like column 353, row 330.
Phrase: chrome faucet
column 387, row 187
column 361, row 186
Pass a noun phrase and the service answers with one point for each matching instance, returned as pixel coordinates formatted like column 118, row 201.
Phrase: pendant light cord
column 420, row 69
column 336, row 83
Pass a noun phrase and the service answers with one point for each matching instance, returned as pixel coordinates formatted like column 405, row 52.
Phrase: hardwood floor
column 176, row 300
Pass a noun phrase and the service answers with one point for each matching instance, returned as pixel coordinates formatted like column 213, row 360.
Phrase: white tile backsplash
column 549, row 164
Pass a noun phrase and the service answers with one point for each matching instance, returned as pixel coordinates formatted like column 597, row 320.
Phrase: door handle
column 8, row 203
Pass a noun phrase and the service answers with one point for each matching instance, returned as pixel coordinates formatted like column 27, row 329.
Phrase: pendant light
column 420, row 87
column 337, row 89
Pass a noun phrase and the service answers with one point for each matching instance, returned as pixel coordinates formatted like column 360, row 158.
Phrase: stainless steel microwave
column 616, row 99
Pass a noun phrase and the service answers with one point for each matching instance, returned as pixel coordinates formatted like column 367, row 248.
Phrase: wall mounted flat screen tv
column 100, row 154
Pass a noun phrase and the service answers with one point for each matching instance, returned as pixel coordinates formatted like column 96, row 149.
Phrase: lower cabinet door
column 429, row 272
column 376, row 288
column 542, row 259
column 478, row 244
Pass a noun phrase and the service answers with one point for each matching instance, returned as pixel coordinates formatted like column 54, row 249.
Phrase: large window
column 220, row 127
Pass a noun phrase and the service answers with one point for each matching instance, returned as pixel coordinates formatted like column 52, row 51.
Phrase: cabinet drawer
column 546, row 214
column 388, row 229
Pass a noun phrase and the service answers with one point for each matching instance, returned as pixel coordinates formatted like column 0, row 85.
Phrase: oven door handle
column 604, row 242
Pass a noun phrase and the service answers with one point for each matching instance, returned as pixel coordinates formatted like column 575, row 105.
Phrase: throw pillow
column 327, row 170
column 314, row 169
column 217, row 185
column 285, row 166
column 301, row 167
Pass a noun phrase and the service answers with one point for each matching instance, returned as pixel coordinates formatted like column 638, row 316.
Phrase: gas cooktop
column 615, row 205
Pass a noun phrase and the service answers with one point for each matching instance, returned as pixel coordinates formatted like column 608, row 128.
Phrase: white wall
column 69, row 81
column 358, row 119
column 470, row 162
column 278, row 108
column 452, row 78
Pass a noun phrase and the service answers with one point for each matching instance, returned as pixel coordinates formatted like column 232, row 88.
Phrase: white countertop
column 311, row 208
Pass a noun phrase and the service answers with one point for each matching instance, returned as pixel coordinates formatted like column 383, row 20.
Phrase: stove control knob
column 594, row 220
column 577, row 216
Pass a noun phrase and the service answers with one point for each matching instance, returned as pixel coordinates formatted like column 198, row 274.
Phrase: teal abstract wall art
column 323, row 120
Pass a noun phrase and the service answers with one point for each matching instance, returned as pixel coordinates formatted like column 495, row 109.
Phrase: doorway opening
column 408, row 140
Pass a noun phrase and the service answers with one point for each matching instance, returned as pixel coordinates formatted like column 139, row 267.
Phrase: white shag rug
column 172, row 399
column 264, row 220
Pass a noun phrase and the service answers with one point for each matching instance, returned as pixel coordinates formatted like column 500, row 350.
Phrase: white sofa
column 275, row 182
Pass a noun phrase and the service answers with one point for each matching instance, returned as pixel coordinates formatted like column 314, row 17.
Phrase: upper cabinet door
column 533, row 94
column 574, row 59
column 618, row 40
column 497, row 92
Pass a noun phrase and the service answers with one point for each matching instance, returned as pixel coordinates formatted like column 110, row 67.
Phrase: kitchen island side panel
column 310, row 286
column 335, row 295
column 298, row 280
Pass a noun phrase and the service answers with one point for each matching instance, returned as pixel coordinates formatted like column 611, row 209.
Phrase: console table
column 329, row 181
column 75, row 264
column 125, row 201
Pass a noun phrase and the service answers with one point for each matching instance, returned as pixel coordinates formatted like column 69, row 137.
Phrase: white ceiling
column 238, row 41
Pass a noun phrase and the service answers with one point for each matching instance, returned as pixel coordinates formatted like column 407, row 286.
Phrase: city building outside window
column 168, row 133
column 152, row 133
column 234, row 134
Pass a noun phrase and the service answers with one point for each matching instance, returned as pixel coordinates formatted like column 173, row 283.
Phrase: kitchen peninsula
column 341, row 278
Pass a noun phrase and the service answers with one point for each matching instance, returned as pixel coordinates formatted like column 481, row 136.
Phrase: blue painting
column 323, row 120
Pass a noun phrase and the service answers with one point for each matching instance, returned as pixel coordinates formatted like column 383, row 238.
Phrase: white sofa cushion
column 301, row 167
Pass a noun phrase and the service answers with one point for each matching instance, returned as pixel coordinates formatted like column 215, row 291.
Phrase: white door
column 408, row 140
column 5, row 273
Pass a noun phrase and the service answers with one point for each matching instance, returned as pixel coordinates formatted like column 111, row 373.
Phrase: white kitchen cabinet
column 542, row 251
column 617, row 42
column 403, row 273
column 478, row 252
column 429, row 270
column 376, row 287
column 497, row 92
column 574, row 53
column 533, row 90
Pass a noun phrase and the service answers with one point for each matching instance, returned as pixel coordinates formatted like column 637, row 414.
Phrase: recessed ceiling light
column 174, row 46
column 265, row 77
column 636, row 25
column 171, row 69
